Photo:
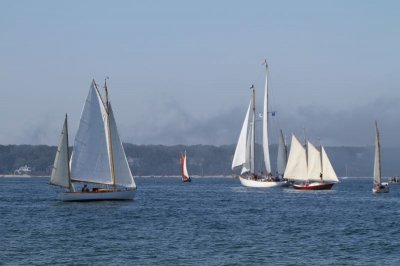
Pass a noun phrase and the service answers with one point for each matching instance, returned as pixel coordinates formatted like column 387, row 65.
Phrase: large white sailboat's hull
column 96, row 196
column 261, row 183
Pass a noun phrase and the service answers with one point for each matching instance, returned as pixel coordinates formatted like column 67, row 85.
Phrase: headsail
column 122, row 172
column 296, row 168
column 60, row 173
column 327, row 169
column 90, row 157
column 265, row 127
column 282, row 155
column 239, row 158
column 377, row 163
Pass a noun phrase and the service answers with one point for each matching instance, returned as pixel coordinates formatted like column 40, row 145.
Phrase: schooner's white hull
column 96, row 196
column 261, row 183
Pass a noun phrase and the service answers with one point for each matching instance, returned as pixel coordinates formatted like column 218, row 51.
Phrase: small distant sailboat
column 98, row 156
column 245, row 149
column 310, row 167
column 185, row 174
column 378, row 186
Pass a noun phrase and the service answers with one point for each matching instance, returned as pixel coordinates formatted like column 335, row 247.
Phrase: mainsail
column 296, row 168
column 185, row 174
column 377, row 163
column 282, row 155
column 90, row 156
column 314, row 163
column 60, row 173
column 265, row 127
column 98, row 155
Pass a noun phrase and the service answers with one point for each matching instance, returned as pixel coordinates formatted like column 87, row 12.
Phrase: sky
column 179, row 71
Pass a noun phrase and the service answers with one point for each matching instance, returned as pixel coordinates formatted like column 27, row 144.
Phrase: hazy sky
column 180, row 70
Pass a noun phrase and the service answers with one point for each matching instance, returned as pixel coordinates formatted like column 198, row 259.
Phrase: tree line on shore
column 202, row 160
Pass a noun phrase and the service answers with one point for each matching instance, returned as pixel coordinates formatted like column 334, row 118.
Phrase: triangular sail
column 185, row 174
column 122, row 172
column 282, row 155
column 296, row 168
column 314, row 163
column 60, row 173
column 239, row 158
column 265, row 128
column 90, row 157
column 246, row 167
column 327, row 170
column 377, row 162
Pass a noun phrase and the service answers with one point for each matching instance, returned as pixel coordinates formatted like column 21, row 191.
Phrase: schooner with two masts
column 245, row 149
column 98, row 158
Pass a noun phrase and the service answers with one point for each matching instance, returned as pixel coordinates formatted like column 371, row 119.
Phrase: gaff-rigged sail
column 265, row 127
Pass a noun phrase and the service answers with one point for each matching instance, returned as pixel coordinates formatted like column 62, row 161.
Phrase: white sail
column 185, row 171
column 239, row 158
column 252, row 134
column 265, row 128
column 60, row 172
column 282, row 155
column 327, row 170
column 314, row 163
column 377, row 161
column 246, row 166
column 122, row 172
column 296, row 168
column 90, row 157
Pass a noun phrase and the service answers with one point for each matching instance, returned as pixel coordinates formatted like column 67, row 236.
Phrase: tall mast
column 265, row 125
column 69, row 170
column 378, row 152
column 109, row 133
column 252, row 153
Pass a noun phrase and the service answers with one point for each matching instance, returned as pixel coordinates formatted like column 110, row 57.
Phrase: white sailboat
column 311, row 169
column 98, row 157
column 245, row 150
column 185, row 174
column 378, row 186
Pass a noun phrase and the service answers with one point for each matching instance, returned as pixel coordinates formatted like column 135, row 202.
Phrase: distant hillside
column 202, row 159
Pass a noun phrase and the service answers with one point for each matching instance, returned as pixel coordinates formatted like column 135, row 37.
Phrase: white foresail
column 239, row 158
column 327, row 169
column 282, row 155
column 265, row 128
column 377, row 161
column 296, row 168
column 122, row 172
column 59, row 174
column 90, row 157
column 314, row 163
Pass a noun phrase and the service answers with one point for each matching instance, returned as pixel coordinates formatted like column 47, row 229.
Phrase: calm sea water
column 208, row 222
